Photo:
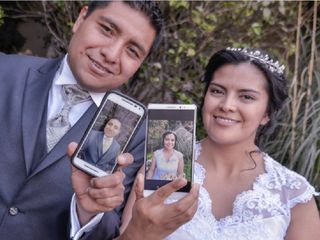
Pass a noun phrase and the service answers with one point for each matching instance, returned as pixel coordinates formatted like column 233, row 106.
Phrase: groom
column 109, row 43
column 101, row 148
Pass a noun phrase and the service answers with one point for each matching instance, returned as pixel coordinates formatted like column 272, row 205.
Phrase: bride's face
column 235, row 104
column 169, row 141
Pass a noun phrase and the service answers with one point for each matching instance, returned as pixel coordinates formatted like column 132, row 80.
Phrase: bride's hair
column 273, row 72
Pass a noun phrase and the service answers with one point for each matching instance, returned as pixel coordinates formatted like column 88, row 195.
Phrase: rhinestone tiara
column 273, row 66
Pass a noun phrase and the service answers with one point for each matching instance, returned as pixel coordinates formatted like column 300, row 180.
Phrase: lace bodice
column 260, row 213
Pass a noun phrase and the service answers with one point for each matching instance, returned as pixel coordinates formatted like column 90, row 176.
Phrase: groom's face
column 109, row 45
column 112, row 128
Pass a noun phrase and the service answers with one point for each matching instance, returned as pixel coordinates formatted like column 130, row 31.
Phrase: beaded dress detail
column 260, row 213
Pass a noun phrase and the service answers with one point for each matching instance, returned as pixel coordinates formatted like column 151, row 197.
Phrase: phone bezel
column 122, row 100
column 150, row 185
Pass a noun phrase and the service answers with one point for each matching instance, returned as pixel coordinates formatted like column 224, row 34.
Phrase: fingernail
column 181, row 182
column 92, row 182
column 121, row 158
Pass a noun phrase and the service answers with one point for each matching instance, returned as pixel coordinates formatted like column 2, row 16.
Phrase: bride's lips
column 225, row 120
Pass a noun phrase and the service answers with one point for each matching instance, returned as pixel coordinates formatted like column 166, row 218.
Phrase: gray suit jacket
column 93, row 151
column 35, row 186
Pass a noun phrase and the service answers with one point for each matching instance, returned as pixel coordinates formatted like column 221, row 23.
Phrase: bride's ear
column 265, row 119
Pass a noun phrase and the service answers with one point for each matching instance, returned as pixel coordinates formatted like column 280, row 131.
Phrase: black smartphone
column 170, row 142
column 108, row 134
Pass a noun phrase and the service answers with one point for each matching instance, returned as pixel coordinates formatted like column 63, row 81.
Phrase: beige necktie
column 59, row 125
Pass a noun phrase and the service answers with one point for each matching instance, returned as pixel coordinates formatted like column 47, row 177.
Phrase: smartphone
column 169, row 148
column 109, row 133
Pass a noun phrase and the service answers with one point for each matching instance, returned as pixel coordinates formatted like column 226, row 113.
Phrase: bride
column 244, row 193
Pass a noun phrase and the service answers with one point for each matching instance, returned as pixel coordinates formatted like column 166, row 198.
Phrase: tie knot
column 73, row 94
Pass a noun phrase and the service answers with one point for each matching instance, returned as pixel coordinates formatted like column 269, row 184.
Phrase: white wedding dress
column 261, row 213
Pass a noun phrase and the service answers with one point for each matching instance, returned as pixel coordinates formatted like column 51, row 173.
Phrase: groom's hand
column 95, row 195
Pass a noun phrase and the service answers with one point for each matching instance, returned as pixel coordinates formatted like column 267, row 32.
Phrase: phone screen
column 108, row 134
column 170, row 145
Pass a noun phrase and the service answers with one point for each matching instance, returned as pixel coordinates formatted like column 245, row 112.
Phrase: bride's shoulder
column 292, row 187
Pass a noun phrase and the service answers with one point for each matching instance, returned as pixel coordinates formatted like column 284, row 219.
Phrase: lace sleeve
column 298, row 189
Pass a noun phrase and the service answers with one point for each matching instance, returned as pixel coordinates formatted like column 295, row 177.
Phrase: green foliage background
column 1, row 15
column 197, row 29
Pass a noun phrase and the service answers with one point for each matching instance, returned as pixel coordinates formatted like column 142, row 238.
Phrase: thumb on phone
column 124, row 160
column 71, row 148
column 138, row 188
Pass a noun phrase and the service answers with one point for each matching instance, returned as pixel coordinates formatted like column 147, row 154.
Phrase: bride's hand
column 153, row 219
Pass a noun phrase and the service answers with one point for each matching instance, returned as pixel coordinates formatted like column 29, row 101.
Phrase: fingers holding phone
column 170, row 197
column 152, row 218
column 123, row 160
column 108, row 191
column 96, row 195
column 100, row 153
column 109, row 133
column 169, row 149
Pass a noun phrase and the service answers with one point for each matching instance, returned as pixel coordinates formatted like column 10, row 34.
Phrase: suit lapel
column 35, row 107
column 73, row 135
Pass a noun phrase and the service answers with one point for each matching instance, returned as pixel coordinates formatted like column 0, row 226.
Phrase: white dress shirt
column 64, row 76
column 106, row 143
column 55, row 103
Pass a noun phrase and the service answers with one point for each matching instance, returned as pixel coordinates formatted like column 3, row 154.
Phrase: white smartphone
column 108, row 134
column 169, row 148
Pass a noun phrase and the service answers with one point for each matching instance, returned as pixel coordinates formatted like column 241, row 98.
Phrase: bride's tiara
column 273, row 66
